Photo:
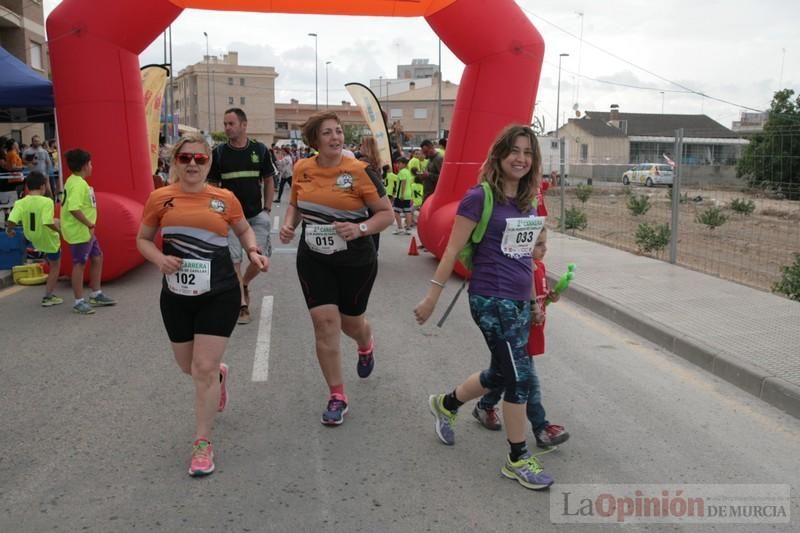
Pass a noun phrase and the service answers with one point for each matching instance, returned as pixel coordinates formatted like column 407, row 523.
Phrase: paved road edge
column 751, row 378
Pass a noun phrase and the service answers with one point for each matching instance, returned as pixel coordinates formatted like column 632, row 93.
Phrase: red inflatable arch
column 94, row 49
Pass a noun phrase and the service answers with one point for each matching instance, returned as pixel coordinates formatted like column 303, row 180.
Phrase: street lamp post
column 560, row 145
column 316, row 70
column 208, row 78
column 326, row 83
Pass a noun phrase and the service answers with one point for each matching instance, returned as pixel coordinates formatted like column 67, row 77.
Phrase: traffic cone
column 412, row 248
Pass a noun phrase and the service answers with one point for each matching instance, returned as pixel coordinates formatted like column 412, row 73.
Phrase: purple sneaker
column 528, row 472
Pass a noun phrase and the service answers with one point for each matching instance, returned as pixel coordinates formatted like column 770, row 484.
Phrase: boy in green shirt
column 35, row 213
column 78, row 218
column 403, row 207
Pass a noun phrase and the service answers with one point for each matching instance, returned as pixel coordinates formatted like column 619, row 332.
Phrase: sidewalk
column 6, row 279
column 747, row 337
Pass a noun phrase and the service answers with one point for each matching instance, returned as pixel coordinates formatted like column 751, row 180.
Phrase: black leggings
column 283, row 182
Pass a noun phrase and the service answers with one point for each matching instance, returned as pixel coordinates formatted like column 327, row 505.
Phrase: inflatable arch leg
column 94, row 49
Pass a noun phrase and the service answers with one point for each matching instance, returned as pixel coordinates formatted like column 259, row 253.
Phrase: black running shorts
column 346, row 286
column 208, row 314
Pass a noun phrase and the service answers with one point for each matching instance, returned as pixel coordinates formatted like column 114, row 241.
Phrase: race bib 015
column 323, row 239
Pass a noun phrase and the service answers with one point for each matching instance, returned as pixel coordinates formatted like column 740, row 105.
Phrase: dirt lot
column 749, row 249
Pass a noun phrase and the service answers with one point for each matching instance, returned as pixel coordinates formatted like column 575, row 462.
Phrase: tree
column 352, row 134
column 772, row 159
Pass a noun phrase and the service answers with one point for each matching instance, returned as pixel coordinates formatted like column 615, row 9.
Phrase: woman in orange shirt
column 340, row 203
column 200, row 289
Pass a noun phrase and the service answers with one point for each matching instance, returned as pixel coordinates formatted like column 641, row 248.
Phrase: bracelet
column 437, row 283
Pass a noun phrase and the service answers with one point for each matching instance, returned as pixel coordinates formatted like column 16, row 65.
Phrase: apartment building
column 203, row 91
column 290, row 117
column 22, row 34
column 414, row 111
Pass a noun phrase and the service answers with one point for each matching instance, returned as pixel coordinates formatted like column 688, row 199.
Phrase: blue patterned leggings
column 504, row 324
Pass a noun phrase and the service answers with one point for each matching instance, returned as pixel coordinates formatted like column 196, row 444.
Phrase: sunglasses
column 185, row 158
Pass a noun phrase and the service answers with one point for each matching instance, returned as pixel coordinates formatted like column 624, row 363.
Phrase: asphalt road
column 96, row 420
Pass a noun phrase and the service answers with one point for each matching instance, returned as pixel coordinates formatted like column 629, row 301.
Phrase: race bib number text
column 323, row 239
column 193, row 278
column 519, row 237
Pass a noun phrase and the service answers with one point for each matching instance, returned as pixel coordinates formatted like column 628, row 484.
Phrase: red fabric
column 541, row 209
column 536, row 333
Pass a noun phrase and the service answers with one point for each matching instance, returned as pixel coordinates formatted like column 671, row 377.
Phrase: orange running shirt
column 195, row 226
column 336, row 194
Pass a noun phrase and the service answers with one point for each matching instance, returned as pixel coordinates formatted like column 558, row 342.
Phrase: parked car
column 648, row 174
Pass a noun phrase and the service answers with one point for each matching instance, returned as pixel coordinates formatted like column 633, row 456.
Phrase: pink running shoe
column 202, row 458
column 223, row 387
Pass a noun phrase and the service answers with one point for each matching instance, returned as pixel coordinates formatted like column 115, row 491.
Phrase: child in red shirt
column 485, row 412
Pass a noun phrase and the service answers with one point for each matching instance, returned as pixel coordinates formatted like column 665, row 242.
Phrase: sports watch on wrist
column 363, row 228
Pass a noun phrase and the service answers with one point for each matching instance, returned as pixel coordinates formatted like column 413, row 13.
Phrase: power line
column 622, row 59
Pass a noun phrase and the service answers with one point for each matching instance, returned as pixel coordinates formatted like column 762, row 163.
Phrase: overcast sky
column 740, row 51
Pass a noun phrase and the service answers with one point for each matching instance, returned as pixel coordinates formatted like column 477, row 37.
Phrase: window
column 584, row 152
column 396, row 113
column 230, row 100
column 281, row 125
column 241, row 82
column 241, row 100
column 36, row 56
column 554, row 145
column 420, row 112
column 230, row 81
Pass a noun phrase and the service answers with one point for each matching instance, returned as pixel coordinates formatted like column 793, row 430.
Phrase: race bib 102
column 193, row 278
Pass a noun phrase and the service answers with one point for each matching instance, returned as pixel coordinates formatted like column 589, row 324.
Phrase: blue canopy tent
column 25, row 96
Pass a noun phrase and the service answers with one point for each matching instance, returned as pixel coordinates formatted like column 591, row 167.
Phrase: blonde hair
column 492, row 173
column 369, row 149
column 186, row 139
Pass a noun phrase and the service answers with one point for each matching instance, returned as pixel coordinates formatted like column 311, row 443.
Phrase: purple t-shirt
column 494, row 273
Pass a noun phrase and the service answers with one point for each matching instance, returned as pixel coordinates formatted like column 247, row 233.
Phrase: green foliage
column 790, row 280
column 682, row 200
column 219, row 137
column 639, row 204
column 574, row 219
column 743, row 206
column 583, row 192
column 772, row 159
column 352, row 133
column 627, row 190
column 652, row 238
column 712, row 217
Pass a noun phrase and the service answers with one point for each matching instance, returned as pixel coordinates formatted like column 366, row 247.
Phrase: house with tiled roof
column 602, row 144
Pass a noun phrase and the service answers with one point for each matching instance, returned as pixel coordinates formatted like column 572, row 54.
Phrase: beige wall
column 229, row 83
column 291, row 117
column 601, row 150
column 418, row 128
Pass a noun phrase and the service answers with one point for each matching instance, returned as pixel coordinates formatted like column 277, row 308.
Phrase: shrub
column 583, row 192
column 742, row 206
column 627, row 190
column 639, row 204
column 652, row 238
column 682, row 200
column 574, row 219
column 712, row 217
column 790, row 280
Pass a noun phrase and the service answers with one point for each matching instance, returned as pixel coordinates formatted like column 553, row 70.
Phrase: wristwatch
column 363, row 228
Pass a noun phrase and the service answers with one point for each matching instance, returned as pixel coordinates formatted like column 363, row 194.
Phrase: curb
column 6, row 279
column 752, row 379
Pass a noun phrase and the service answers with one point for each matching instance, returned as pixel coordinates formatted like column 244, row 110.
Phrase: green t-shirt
column 78, row 196
column 391, row 184
column 33, row 213
column 414, row 166
column 417, row 192
column 404, row 179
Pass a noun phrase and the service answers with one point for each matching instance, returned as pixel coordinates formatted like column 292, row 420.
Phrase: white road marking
column 14, row 289
column 261, row 360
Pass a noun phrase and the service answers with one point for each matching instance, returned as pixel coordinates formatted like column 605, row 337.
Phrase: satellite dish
column 575, row 106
